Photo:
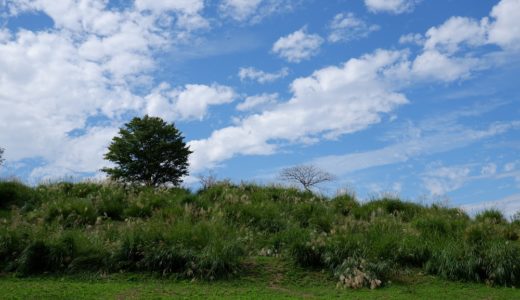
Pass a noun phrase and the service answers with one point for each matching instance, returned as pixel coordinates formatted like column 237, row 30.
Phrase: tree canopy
column 148, row 151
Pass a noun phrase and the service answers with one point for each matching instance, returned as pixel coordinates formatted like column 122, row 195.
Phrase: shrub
column 406, row 211
column 205, row 250
column 492, row 262
column 307, row 249
column 16, row 193
column 314, row 215
column 356, row 273
column 70, row 212
column 110, row 201
column 34, row 259
column 262, row 216
column 492, row 216
column 435, row 225
column 344, row 204
column 12, row 243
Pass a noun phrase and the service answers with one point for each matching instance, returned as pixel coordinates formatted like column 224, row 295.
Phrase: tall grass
column 91, row 227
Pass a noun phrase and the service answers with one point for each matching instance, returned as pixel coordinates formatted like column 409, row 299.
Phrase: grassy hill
column 238, row 234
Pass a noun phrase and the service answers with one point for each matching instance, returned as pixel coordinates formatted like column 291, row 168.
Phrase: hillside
column 230, row 232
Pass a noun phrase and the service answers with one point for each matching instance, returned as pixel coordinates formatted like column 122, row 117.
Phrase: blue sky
column 417, row 98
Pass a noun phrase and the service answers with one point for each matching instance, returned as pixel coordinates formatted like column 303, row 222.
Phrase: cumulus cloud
column 433, row 65
column 189, row 102
column 505, row 31
column 447, row 53
column 260, row 76
column 298, row 46
column 258, row 102
column 391, row 6
column 352, row 97
column 456, row 32
column 346, row 27
column 56, row 85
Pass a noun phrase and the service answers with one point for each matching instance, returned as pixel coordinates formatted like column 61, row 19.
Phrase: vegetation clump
column 216, row 232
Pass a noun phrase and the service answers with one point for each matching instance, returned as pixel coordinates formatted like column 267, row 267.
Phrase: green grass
column 240, row 239
column 262, row 278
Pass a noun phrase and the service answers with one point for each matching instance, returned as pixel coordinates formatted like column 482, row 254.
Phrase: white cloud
column 253, row 11
column 261, row 76
column 443, row 58
column 298, row 46
column 437, row 66
column 502, row 29
column 508, row 205
column 505, row 31
column 412, row 38
column 83, row 154
column 454, row 32
column 239, row 9
column 346, row 27
column 442, row 180
column 85, row 68
column 391, row 6
column 511, row 166
column 257, row 102
column 184, row 6
column 489, row 169
column 190, row 102
column 351, row 97
column 417, row 140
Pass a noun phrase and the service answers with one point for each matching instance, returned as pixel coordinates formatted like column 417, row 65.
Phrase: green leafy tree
column 148, row 151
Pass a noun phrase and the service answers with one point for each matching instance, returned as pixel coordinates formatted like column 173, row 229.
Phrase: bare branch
column 307, row 175
column 1, row 153
column 209, row 180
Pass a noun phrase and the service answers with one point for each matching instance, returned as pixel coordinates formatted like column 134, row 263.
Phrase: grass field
column 246, row 241
column 265, row 278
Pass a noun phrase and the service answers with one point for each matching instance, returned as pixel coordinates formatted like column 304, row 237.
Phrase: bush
column 356, row 273
column 406, row 211
column 205, row 250
column 12, row 243
column 492, row 262
column 492, row 216
column 70, row 212
column 16, row 193
column 438, row 225
column 314, row 215
column 34, row 259
column 344, row 204
column 307, row 251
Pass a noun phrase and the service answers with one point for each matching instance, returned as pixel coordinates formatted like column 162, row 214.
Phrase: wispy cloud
column 391, row 6
column 260, row 76
column 420, row 142
column 346, row 27
column 509, row 205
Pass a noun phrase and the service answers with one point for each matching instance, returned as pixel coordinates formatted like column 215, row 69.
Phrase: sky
column 416, row 98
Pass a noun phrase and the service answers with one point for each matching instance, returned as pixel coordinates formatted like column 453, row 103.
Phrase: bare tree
column 1, row 153
column 209, row 180
column 307, row 175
